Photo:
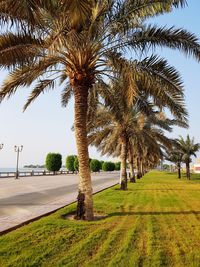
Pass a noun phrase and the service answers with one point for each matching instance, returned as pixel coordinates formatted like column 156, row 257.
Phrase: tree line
column 182, row 152
column 54, row 163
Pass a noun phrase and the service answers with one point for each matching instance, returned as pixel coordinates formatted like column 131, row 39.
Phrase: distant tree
column 117, row 166
column 175, row 155
column 166, row 167
column 112, row 166
column 53, row 162
column 105, row 166
column 70, row 163
column 108, row 166
column 95, row 165
column 102, row 162
column 189, row 148
column 76, row 164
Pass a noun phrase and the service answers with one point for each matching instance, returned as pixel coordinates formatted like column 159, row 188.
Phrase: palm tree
column 150, row 142
column 142, row 145
column 119, row 121
column 188, row 148
column 175, row 155
column 74, row 43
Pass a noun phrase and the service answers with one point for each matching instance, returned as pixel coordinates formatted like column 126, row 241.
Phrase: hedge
column 95, row 165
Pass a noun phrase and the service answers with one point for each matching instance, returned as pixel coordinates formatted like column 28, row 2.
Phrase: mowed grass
column 155, row 223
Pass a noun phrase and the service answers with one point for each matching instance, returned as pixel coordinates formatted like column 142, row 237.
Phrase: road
column 29, row 197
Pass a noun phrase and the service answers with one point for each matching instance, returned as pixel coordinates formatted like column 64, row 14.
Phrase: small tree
column 70, row 163
column 53, row 162
column 117, row 166
column 112, row 166
column 189, row 148
column 95, row 165
column 76, row 164
column 166, row 167
column 105, row 166
column 102, row 162
column 108, row 166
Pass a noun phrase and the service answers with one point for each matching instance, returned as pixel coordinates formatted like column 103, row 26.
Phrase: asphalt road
column 30, row 197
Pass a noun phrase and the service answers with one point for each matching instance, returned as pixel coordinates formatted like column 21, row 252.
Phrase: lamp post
column 1, row 146
column 18, row 149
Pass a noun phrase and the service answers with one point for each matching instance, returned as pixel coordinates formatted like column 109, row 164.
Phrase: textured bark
column 179, row 170
column 85, row 202
column 188, row 170
column 142, row 169
column 131, row 166
column 139, row 174
column 123, row 163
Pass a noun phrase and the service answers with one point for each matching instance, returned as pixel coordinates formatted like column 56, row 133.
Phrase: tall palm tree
column 75, row 42
column 119, row 121
column 188, row 148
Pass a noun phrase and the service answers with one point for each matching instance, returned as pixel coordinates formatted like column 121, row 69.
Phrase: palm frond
column 39, row 88
column 18, row 49
column 173, row 38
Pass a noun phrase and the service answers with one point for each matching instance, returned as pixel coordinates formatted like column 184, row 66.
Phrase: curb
column 46, row 214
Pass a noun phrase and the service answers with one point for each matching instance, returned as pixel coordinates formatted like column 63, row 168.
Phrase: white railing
column 32, row 173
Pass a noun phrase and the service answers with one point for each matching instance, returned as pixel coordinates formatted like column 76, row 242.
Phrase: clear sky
column 46, row 126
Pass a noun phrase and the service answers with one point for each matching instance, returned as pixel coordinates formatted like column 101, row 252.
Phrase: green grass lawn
column 155, row 223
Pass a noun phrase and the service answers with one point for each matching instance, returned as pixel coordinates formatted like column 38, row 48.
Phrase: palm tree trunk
column 85, row 202
column 139, row 175
column 188, row 170
column 142, row 168
column 123, row 163
column 179, row 170
column 131, row 166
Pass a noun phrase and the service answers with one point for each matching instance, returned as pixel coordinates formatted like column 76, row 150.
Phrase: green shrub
column 76, row 165
column 95, row 165
column 108, row 166
column 53, row 162
column 105, row 166
column 117, row 166
column 70, row 163
column 112, row 166
column 102, row 162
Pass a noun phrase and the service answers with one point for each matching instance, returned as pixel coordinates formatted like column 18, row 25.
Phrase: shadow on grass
column 154, row 213
column 127, row 190
column 71, row 216
column 195, row 177
column 163, row 190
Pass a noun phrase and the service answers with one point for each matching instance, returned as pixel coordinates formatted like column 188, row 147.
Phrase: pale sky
column 46, row 126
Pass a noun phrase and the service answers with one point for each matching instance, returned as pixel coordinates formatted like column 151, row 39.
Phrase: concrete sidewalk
column 30, row 197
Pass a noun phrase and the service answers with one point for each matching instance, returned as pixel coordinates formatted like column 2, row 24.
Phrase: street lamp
column 1, row 146
column 18, row 149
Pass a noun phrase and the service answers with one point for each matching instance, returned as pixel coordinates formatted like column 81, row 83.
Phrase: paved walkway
column 29, row 197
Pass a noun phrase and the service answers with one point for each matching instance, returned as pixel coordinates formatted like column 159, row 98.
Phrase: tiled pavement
column 30, row 197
